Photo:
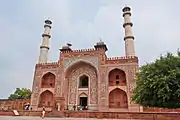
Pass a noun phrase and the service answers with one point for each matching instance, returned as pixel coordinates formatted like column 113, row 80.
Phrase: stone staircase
column 55, row 114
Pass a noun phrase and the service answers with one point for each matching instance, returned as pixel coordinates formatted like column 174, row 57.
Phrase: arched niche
column 73, row 74
column 48, row 80
column 117, row 77
column 118, row 99
column 83, row 81
column 46, row 99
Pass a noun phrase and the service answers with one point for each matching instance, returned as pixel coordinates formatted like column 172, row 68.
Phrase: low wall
column 6, row 113
column 6, row 104
column 112, row 115
column 21, row 113
column 148, row 109
column 29, row 113
column 124, row 115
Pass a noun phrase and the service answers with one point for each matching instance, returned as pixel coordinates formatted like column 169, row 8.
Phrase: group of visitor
column 80, row 107
column 27, row 107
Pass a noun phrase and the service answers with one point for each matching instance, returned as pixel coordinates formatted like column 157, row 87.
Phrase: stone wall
column 125, row 115
column 30, row 113
column 148, row 109
column 6, row 104
column 6, row 113
column 108, row 115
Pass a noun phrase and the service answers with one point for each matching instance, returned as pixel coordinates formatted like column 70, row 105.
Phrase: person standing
column 43, row 113
column 74, row 107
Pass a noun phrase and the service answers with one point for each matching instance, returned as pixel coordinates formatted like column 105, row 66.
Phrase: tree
column 22, row 93
column 158, row 83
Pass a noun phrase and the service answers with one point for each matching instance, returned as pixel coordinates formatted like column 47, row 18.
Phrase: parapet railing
column 84, row 50
column 48, row 63
column 80, row 50
column 123, row 59
column 120, row 58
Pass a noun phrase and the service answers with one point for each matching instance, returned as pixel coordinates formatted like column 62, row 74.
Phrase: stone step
column 55, row 114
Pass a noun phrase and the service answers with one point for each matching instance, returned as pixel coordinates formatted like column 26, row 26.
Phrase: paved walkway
column 38, row 118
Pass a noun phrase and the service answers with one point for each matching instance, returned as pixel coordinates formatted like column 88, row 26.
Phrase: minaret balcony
column 46, row 35
column 47, row 25
column 128, row 23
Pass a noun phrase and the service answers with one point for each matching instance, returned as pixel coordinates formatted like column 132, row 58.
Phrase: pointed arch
column 48, row 80
column 46, row 99
column 83, row 95
column 117, row 77
column 118, row 99
column 78, row 64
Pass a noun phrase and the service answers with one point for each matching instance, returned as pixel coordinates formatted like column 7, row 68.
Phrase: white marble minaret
column 129, row 38
column 44, row 48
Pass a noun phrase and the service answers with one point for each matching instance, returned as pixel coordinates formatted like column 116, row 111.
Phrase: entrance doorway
column 83, row 101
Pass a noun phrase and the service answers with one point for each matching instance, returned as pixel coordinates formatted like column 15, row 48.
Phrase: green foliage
column 178, row 52
column 158, row 83
column 22, row 93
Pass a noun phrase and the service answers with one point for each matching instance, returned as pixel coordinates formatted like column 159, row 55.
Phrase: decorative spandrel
column 91, row 59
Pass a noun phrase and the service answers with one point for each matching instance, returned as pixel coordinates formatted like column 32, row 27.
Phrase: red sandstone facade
column 86, row 77
column 108, row 82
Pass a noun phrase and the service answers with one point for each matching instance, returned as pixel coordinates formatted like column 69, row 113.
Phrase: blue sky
column 81, row 22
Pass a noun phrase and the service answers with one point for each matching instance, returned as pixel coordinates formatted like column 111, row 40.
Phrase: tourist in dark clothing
column 74, row 107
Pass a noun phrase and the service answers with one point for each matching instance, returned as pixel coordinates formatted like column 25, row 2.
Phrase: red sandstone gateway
column 86, row 78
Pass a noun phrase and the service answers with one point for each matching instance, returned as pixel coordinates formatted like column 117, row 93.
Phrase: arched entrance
column 48, row 80
column 83, row 100
column 117, row 77
column 81, row 75
column 118, row 99
column 46, row 99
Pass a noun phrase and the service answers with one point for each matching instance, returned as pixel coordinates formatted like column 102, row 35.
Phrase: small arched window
column 83, row 81
column 117, row 77
column 48, row 80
